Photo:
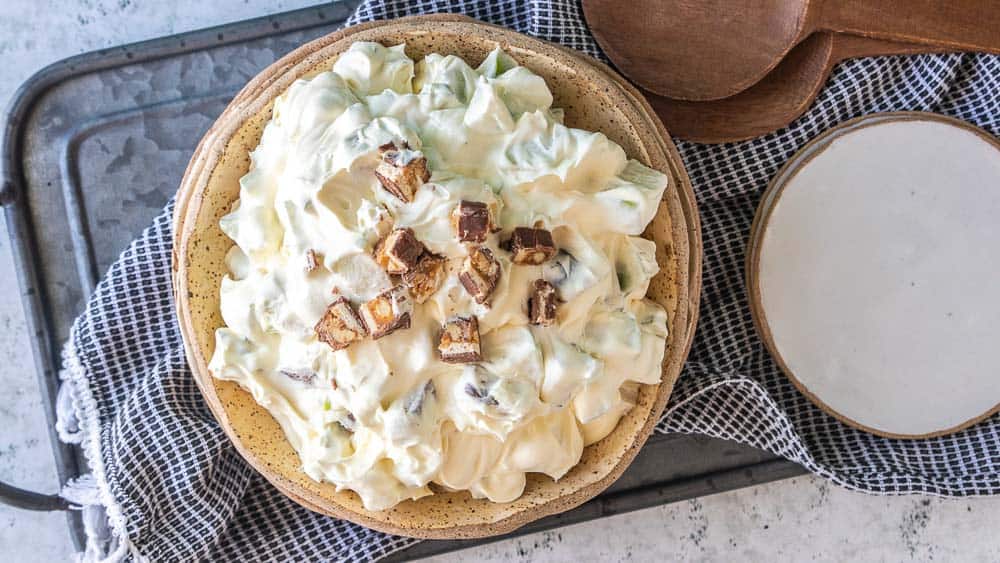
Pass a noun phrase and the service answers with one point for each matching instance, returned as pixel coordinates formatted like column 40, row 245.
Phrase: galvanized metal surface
column 95, row 145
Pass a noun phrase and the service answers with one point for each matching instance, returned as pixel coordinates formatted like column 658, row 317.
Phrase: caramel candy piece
column 479, row 274
column 471, row 220
column 388, row 311
column 459, row 343
column 531, row 246
column 426, row 277
column 398, row 251
column 340, row 326
column 401, row 171
column 542, row 303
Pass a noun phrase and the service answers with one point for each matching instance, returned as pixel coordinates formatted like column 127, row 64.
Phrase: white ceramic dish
column 872, row 272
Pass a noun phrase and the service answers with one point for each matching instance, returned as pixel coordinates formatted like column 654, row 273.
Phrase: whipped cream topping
column 386, row 418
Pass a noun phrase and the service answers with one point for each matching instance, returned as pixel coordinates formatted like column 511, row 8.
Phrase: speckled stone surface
column 795, row 520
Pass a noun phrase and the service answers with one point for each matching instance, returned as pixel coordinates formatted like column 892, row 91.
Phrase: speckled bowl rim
column 684, row 224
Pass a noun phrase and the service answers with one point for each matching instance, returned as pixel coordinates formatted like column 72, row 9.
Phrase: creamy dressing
column 385, row 418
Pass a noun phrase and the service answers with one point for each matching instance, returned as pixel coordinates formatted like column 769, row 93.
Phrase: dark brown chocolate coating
column 480, row 273
column 531, row 246
column 459, row 342
column 542, row 303
column 472, row 221
column 399, row 251
column 340, row 325
column 387, row 312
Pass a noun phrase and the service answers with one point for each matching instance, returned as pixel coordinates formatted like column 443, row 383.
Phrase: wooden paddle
column 711, row 49
column 782, row 95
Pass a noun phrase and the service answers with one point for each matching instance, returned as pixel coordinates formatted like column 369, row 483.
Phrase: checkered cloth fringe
column 167, row 485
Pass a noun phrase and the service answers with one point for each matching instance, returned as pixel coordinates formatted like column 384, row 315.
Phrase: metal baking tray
column 95, row 145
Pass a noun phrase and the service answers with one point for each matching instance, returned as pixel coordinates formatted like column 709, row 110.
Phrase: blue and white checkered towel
column 172, row 488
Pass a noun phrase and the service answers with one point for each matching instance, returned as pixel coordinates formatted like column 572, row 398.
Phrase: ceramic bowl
column 593, row 98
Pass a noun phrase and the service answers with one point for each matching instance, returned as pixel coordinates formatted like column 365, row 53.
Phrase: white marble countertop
column 794, row 520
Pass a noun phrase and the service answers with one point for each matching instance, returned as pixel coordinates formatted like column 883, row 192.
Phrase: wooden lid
column 593, row 98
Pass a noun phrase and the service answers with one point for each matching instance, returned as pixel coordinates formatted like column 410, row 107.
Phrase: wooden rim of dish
column 273, row 81
column 762, row 218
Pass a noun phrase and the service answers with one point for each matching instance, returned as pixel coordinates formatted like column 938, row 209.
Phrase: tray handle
column 6, row 192
column 30, row 500
column 9, row 494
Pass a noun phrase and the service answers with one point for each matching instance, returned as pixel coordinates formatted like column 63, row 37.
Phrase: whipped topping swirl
column 386, row 417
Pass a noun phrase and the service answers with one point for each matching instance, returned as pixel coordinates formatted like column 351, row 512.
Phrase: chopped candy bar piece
column 384, row 223
column 531, row 246
column 480, row 395
column 399, row 251
column 401, row 171
column 388, row 311
column 346, row 422
column 426, row 277
column 340, row 326
column 299, row 374
column 471, row 220
column 542, row 303
column 415, row 402
column 312, row 261
column 494, row 209
column 459, row 343
column 479, row 274
column 481, row 386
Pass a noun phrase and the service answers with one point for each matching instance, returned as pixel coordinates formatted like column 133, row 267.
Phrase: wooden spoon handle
column 853, row 46
column 965, row 25
column 780, row 97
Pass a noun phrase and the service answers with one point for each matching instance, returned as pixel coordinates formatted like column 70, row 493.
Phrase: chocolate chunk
column 415, row 402
column 531, row 246
column 398, row 251
column 480, row 273
column 481, row 386
column 426, row 277
column 299, row 374
column 459, row 343
column 340, row 326
column 542, row 303
column 471, row 220
column 401, row 171
column 387, row 312
column 481, row 395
